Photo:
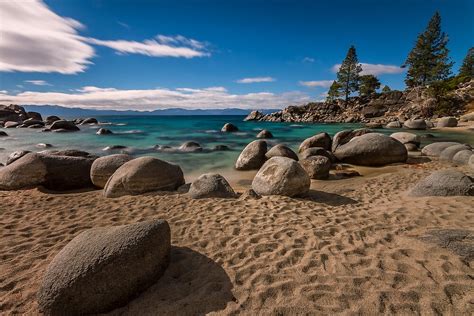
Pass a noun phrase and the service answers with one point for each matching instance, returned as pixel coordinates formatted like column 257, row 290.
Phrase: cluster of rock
column 15, row 116
column 381, row 108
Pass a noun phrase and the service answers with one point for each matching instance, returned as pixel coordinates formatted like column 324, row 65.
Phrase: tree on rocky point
column 368, row 85
column 348, row 74
column 386, row 89
column 467, row 67
column 333, row 92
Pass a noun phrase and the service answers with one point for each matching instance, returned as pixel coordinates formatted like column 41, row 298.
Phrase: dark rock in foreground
column 444, row 183
column 211, row 185
column 104, row 268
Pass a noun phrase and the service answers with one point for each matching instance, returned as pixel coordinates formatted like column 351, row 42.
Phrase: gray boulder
column 104, row 131
column 447, row 122
column 66, row 172
column 281, row 151
column 317, row 167
column 319, row 140
column 281, row 176
column 343, row 137
column 14, row 156
column 444, row 183
column 11, row 124
column 415, row 124
column 372, row 149
column 394, row 124
column 468, row 117
column 407, row 138
column 318, row 151
column 211, row 185
column 471, row 162
column 104, row 268
column 462, row 157
column 64, row 125
column 265, row 134
column 190, row 147
column 229, row 127
column 89, row 120
column 253, row 156
column 448, row 153
column 52, row 118
column 144, row 174
column 27, row 171
column 104, row 167
column 435, row 149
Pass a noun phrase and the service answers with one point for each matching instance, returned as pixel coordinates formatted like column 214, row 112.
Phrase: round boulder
column 343, row 137
column 444, row 183
column 415, row 124
column 281, row 176
column 14, row 156
column 104, row 167
column 50, row 119
column 64, row 125
column 319, row 140
column 407, row 138
column 448, row 153
column 211, row 185
column 89, row 120
column 372, row 149
column 144, row 174
column 265, row 134
column 281, row 151
column 104, row 131
column 34, row 115
column 27, row 171
column 104, row 268
column 462, row 157
column 229, row 127
column 447, row 122
column 318, row 151
column 394, row 124
column 435, row 149
column 253, row 156
column 317, row 167
column 190, row 147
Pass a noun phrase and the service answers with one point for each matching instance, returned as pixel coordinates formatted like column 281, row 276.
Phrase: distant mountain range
column 46, row 110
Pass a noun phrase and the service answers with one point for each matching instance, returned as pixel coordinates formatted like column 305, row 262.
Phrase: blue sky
column 207, row 54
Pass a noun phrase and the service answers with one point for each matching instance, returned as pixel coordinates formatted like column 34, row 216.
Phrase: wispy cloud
column 308, row 60
column 125, row 25
column 256, row 80
column 317, row 83
column 38, row 82
column 375, row 69
column 150, row 99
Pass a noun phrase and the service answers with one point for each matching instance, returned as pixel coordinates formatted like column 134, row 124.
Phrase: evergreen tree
column 467, row 68
column 428, row 61
column 333, row 92
column 348, row 74
column 368, row 85
column 386, row 89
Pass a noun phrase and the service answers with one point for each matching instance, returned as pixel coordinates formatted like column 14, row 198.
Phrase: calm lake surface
column 141, row 133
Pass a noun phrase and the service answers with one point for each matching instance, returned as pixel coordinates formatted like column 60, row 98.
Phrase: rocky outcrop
column 444, row 183
column 211, row 185
column 13, row 113
column 253, row 156
column 254, row 116
column 104, row 167
column 104, row 268
column 281, row 176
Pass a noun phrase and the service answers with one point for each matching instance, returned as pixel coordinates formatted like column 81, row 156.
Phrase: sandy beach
column 352, row 246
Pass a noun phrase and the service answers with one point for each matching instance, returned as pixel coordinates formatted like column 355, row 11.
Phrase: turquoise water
column 141, row 133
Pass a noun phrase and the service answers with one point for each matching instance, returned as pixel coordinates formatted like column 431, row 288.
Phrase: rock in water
column 229, row 127
column 447, row 122
column 448, row 153
column 64, row 125
column 89, row 120
column 415, row 124
column 281, row 176
column 462, row 157
column 190, row 147
column 395, row 124
column 50, row 119
column 319, row 140
column 317, row 167
column 254, row 116
column 435, row 149
column 104, row 268
column 144, row 174
column 211, row 185
column 3, row 134
column 104, row 131
column 281, row 151
column 372, row 149
column 253, row 156
column 104, row 167
column 265, row 134
column 444, row 183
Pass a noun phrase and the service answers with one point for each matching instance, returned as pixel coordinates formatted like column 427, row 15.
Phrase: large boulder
column 89, row 120
column 407, row 138
column 343, row 137
column 253, row 156
column 444, row 183
column 12, row 112
column 34, row 115
column 27, row 171
column 415, row 124
column 447, row 122
column 448, row 153
column 265, row 134
column 64, row 125
column 281, row 151
column 229, row 127
column 281, row 176
column 70, row 153
column 211, row 185
column 435, row 149
column 372, row 149
column 144, row 174
column 51, row 119
column 11, row 124
column 31, row 121
column 190, row 147
column 317, row 167
column 319, row 140
column 14, row 156
column 67, row 172
column 104, row 167
column 318, row 151
column 104, row 268
column 462, row 157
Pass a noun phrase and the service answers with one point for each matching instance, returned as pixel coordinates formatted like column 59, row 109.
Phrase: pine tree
column 348, row 74
column 333, row 92
column 386, row 89
column 428, row 61
column 368, row 85
column 467, row 68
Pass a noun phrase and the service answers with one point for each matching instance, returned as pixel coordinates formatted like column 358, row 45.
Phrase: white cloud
column 160, row 98
column 3, row 91
column 256, row 80
column 160, row 46
column 317, row 83
column 308, row 60
column 35, row 39
column 38, row 82
column 375, row 69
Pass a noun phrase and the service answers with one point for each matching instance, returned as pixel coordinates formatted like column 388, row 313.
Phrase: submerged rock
column 104, row 167
column 104, row 131
column 444, row 183
column 221, row 148
column 104, row 268
column 211, row 185
column 281, row 151
column 229, row 127
column 265, row 134
column 317, row 167
column 64, row 125
column 190, row 147
column 319, row 140
column 3, row 134
column 253, row 156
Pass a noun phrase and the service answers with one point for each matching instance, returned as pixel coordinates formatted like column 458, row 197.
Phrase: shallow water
column 141, row 133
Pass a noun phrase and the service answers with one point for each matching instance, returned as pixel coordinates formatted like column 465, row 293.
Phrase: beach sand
column 352, row 246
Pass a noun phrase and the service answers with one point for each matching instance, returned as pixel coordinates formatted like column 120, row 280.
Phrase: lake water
column 141, row 133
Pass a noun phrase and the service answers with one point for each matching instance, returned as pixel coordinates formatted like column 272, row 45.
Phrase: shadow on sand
column 331, row 199
column 193, row 284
